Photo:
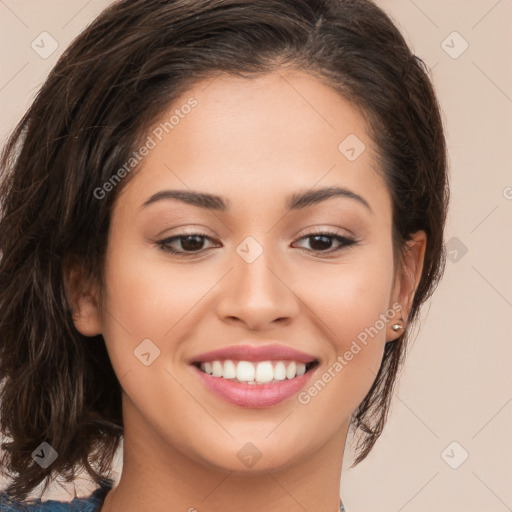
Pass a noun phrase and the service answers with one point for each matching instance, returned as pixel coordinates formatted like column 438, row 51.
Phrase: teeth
column 264, row 372
column 217, row 369
column 245, row 371
column 229, row 370
column 254, row 373
column 291, row 371
column 280, row 371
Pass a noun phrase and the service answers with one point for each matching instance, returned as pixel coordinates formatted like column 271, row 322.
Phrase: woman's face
column 253, row 277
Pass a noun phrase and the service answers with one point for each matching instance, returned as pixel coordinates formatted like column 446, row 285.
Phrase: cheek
column 147, row 299
column 352, row 305
column 350, row 297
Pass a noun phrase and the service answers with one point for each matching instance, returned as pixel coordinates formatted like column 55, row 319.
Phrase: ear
column 83, row 298
column 406, row 281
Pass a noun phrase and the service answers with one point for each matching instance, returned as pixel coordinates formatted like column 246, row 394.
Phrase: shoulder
column 90, row 504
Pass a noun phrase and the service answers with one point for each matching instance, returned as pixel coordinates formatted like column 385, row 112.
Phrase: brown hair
column 108, row 87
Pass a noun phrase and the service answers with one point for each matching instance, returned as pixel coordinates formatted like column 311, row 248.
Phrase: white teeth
column 245, row 371
column 254, row 373
column 217, row 369
column 280, row 371
column 291, row 371
column 207, row 368
column 229, row 370
column 264, row 372
column 301, row 369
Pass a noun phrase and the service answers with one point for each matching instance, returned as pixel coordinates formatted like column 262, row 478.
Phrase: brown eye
column 188, row 244
column 322, row 242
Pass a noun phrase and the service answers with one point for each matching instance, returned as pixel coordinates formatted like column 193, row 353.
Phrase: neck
column 156, row 476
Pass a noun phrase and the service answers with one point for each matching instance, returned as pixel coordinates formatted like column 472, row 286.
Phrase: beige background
column 457, row 383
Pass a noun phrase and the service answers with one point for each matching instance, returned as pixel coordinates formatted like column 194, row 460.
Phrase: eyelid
column 189, row 229
column 321, row 229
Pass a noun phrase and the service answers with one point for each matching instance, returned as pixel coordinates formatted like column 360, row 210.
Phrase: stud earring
column 398, row 326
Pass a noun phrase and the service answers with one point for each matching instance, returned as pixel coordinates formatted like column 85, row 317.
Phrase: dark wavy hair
column 111, row 84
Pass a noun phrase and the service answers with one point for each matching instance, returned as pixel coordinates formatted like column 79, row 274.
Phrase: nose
column 258, row 295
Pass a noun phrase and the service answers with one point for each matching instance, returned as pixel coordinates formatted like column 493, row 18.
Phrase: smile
column 255, row 373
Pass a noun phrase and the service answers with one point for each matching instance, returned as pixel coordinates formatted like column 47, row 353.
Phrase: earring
column 398, row 326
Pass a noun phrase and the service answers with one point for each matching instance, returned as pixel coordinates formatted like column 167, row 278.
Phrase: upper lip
column 252, row 352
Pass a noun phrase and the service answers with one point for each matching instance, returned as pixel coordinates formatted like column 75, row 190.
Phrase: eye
column 191, row 243
column 321, row 242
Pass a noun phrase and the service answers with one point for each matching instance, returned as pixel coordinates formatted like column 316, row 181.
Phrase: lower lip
column 254, row 395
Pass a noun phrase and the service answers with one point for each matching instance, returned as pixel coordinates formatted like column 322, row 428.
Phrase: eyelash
column 345, row 242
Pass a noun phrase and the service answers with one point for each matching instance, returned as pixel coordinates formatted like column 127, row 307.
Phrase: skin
column 253, row 142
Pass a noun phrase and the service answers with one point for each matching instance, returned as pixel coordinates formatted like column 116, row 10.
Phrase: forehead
column 260, row 138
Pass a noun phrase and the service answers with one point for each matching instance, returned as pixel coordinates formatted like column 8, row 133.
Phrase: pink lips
column 254, row 395
column 246, row 352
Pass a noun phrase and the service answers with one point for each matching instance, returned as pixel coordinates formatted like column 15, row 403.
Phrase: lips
column 254, row 375
column 255, row 353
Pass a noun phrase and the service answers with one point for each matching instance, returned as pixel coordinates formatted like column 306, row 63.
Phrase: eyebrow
column 296, row 201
